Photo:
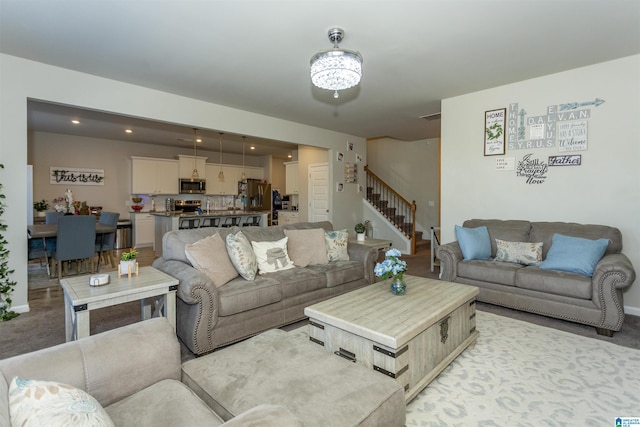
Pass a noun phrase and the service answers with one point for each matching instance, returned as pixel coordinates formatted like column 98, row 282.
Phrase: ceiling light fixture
column 75, row 122
column 221, row 173
column 336, row 69
column 244, row 175
column 128, row 131
column 194, row 174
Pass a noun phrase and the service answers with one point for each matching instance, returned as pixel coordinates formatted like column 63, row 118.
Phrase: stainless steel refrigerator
column 256, row 195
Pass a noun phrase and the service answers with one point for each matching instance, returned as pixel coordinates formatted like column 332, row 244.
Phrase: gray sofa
column 134, row 372
column 595, row 301
column 274, row 379
column 209, row 317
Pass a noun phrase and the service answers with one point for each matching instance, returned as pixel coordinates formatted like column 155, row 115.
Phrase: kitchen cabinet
column 254, row 172
column 186, row 165
column 288, row 217
column 291, row 177
column 143, row 230
column 154, row 176
column 229, row 186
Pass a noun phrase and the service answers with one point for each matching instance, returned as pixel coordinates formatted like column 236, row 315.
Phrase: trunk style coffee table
column 411, row 338
column 80, row 298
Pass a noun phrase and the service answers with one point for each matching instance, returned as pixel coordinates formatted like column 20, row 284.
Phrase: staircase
column 397, row 210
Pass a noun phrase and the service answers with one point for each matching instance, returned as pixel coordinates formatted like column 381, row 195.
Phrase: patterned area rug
column 520, row 374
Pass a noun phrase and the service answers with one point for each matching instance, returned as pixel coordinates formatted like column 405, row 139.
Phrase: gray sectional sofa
column 595, row 300
column 209, row 317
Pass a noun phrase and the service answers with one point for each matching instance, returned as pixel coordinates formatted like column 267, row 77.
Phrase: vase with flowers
column 393, row 266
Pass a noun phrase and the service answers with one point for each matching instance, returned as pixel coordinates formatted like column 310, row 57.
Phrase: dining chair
column 106, row 242
column 76, row 239
column 52, row 217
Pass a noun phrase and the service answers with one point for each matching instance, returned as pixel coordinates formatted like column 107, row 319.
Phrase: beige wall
column 21, row 79
column 605, row 189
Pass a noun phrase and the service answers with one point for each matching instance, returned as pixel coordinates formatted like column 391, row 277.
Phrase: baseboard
column 21, row 308
column 634, row 311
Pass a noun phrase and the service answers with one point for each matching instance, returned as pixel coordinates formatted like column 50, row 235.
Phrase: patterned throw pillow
column 519, row 252
column 272, row 256
column 48, row 403
column 242, row 256
column 336, row 242
column 209, row 255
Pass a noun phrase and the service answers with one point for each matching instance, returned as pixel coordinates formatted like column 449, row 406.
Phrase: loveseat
column 211, row 315
column 133, row 372
column 553, row 286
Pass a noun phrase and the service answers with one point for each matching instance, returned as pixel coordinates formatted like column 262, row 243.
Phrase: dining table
column 42, row 231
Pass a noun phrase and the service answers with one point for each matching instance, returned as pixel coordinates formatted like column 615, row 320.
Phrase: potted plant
column 41, row 207
column 360, row 230
column 128, row 261
column 7, row 284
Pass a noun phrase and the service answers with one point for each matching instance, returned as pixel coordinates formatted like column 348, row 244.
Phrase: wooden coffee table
column 80, row 298
column 411, row 338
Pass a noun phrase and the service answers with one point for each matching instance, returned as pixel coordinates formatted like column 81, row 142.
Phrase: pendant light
column 221, row 173
column 194, row 174
column 244, row 175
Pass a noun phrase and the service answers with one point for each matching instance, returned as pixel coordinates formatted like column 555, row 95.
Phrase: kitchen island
column 170, row 221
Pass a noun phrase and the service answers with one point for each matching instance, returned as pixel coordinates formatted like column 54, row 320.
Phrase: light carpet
column 520, row 374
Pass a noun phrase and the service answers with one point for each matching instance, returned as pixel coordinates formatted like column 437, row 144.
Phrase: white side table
column 379, row 244
column 80, row 298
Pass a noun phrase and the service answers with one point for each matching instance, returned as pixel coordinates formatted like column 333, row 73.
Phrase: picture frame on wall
column 495, row 122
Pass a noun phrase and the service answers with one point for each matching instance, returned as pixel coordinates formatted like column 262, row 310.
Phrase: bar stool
column 210, row 222
column 231, row 221
column 252, row 221
column 189, row 223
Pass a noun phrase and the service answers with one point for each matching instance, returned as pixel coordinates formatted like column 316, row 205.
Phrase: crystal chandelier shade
column 336, row 69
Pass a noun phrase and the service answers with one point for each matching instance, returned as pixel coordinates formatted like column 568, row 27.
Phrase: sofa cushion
column 209, row 255
column 336, row 244
column 174, row 242
column 503, row 273
column 298, row 281
column 525, row 253
column 554, row 282
column 241, row 254
column 474, row 242
column 39, row 403
column 272, row 256
column 509, row 230
column 574, row 254
column 307, row 247
column 340, row 272
column 4, row 401
column 165, row 403
column 241, row 295
column 544, row 231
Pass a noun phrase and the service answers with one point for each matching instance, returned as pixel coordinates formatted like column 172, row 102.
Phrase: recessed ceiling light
column 289, row 156
column 253, row 147
column 75, row 122
column 128, row 131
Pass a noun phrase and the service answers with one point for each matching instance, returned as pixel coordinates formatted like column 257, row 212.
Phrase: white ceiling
column 254, row 54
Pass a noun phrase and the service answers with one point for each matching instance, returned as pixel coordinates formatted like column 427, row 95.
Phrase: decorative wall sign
column 535, row 170
column 494, row 131
column 505, row 163
column 76, row 176
column 568, row 160
column 572, row 136
column 350, row 172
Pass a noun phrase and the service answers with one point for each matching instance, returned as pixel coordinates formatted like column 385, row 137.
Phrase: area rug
column 520, row 374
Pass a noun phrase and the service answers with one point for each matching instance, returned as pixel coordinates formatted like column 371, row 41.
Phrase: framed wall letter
column 494, row 131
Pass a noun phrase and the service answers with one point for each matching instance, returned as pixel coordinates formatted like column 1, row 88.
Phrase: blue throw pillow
column 574, row 254
column 474, row 242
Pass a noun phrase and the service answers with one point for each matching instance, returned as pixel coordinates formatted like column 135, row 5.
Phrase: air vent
column 434, row 116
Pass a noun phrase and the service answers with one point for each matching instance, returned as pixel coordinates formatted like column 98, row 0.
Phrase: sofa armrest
column 367, row 255
column 449, row 255
column 612, row 274
column 265, row 416
column 194, row 287
column 109, row 366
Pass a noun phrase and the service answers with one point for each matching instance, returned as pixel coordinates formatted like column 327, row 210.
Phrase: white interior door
column 319, row 209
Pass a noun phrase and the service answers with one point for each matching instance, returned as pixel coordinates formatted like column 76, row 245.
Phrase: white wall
column 605, row 189
column 21, row 79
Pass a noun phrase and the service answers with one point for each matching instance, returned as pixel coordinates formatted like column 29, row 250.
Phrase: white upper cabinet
column 291, row 177
column 154, row 176
column 187, row 165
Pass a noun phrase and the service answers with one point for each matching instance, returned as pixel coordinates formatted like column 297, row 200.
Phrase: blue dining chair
column 106, row 243
column 52, row 217
column 76, row 239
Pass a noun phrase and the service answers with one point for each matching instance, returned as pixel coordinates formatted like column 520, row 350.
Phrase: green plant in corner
column 6, row 284
column 360, row 228
column 129, row 256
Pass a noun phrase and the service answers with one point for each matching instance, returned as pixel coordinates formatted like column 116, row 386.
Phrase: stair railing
column 399, row 211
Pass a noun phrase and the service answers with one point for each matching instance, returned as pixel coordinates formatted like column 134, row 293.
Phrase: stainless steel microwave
column 192, row 186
